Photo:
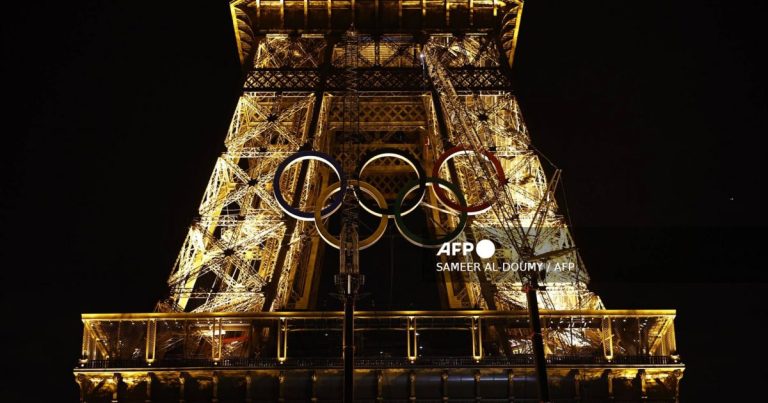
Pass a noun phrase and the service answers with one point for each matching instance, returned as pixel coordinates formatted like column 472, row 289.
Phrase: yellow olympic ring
column 368, row 189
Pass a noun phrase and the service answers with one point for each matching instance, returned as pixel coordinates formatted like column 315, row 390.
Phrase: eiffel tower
column 379, row 228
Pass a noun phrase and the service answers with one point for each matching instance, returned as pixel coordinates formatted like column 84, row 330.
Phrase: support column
column 444, row 385
column 609, row 380
column 607, row 336
column 185, row 351
column 182, row 384
column 672, row 342
column 82, row 383
column 215, row 387
column 477, row 338
column 412, row 339
column 677, row 375
column 282, row 339
column 576, row 385
column 411, row 386
column 248, row 385
column 216, row 340
column 86, row 346
column 510, row 386
column 251, row 341
column 281, row 387
column 148, row 380
column 116, row 379
column 151, row 341
column 379, row 386
column 313, row 387
column 478, row 398
column 641, row 384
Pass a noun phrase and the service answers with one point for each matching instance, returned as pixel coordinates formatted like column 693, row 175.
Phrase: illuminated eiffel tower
column 386, row 130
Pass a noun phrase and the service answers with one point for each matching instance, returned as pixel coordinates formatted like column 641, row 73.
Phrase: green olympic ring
column 409, row 235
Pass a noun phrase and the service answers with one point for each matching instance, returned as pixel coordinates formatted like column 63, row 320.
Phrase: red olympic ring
column 440, row 192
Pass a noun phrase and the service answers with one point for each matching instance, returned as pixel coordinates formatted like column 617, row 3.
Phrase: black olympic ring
column 402, row 156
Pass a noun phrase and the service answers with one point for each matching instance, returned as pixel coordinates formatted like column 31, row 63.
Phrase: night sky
column 114, row 113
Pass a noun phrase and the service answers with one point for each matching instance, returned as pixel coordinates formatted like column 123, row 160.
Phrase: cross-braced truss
column 421, row 96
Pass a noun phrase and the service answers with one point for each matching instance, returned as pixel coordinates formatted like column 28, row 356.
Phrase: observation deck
column 447, row 356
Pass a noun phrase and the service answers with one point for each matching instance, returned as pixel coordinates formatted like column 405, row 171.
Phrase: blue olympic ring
column 304, row 156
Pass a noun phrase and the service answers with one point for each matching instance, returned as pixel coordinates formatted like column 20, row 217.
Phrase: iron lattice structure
column 348, row 78
column 419, row 94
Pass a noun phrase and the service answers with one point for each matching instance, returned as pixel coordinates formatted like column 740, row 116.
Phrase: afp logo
column 484, row 248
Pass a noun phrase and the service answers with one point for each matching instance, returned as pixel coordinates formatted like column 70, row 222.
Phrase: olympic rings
column 303, row 156
column 475, row 208
column 381, row 209
column 368, row 189
column 412, row 237
column 402, row 156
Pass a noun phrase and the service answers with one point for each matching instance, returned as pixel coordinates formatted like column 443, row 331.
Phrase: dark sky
column 115, row 113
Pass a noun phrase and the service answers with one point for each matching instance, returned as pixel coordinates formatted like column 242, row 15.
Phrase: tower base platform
column 401, row 356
